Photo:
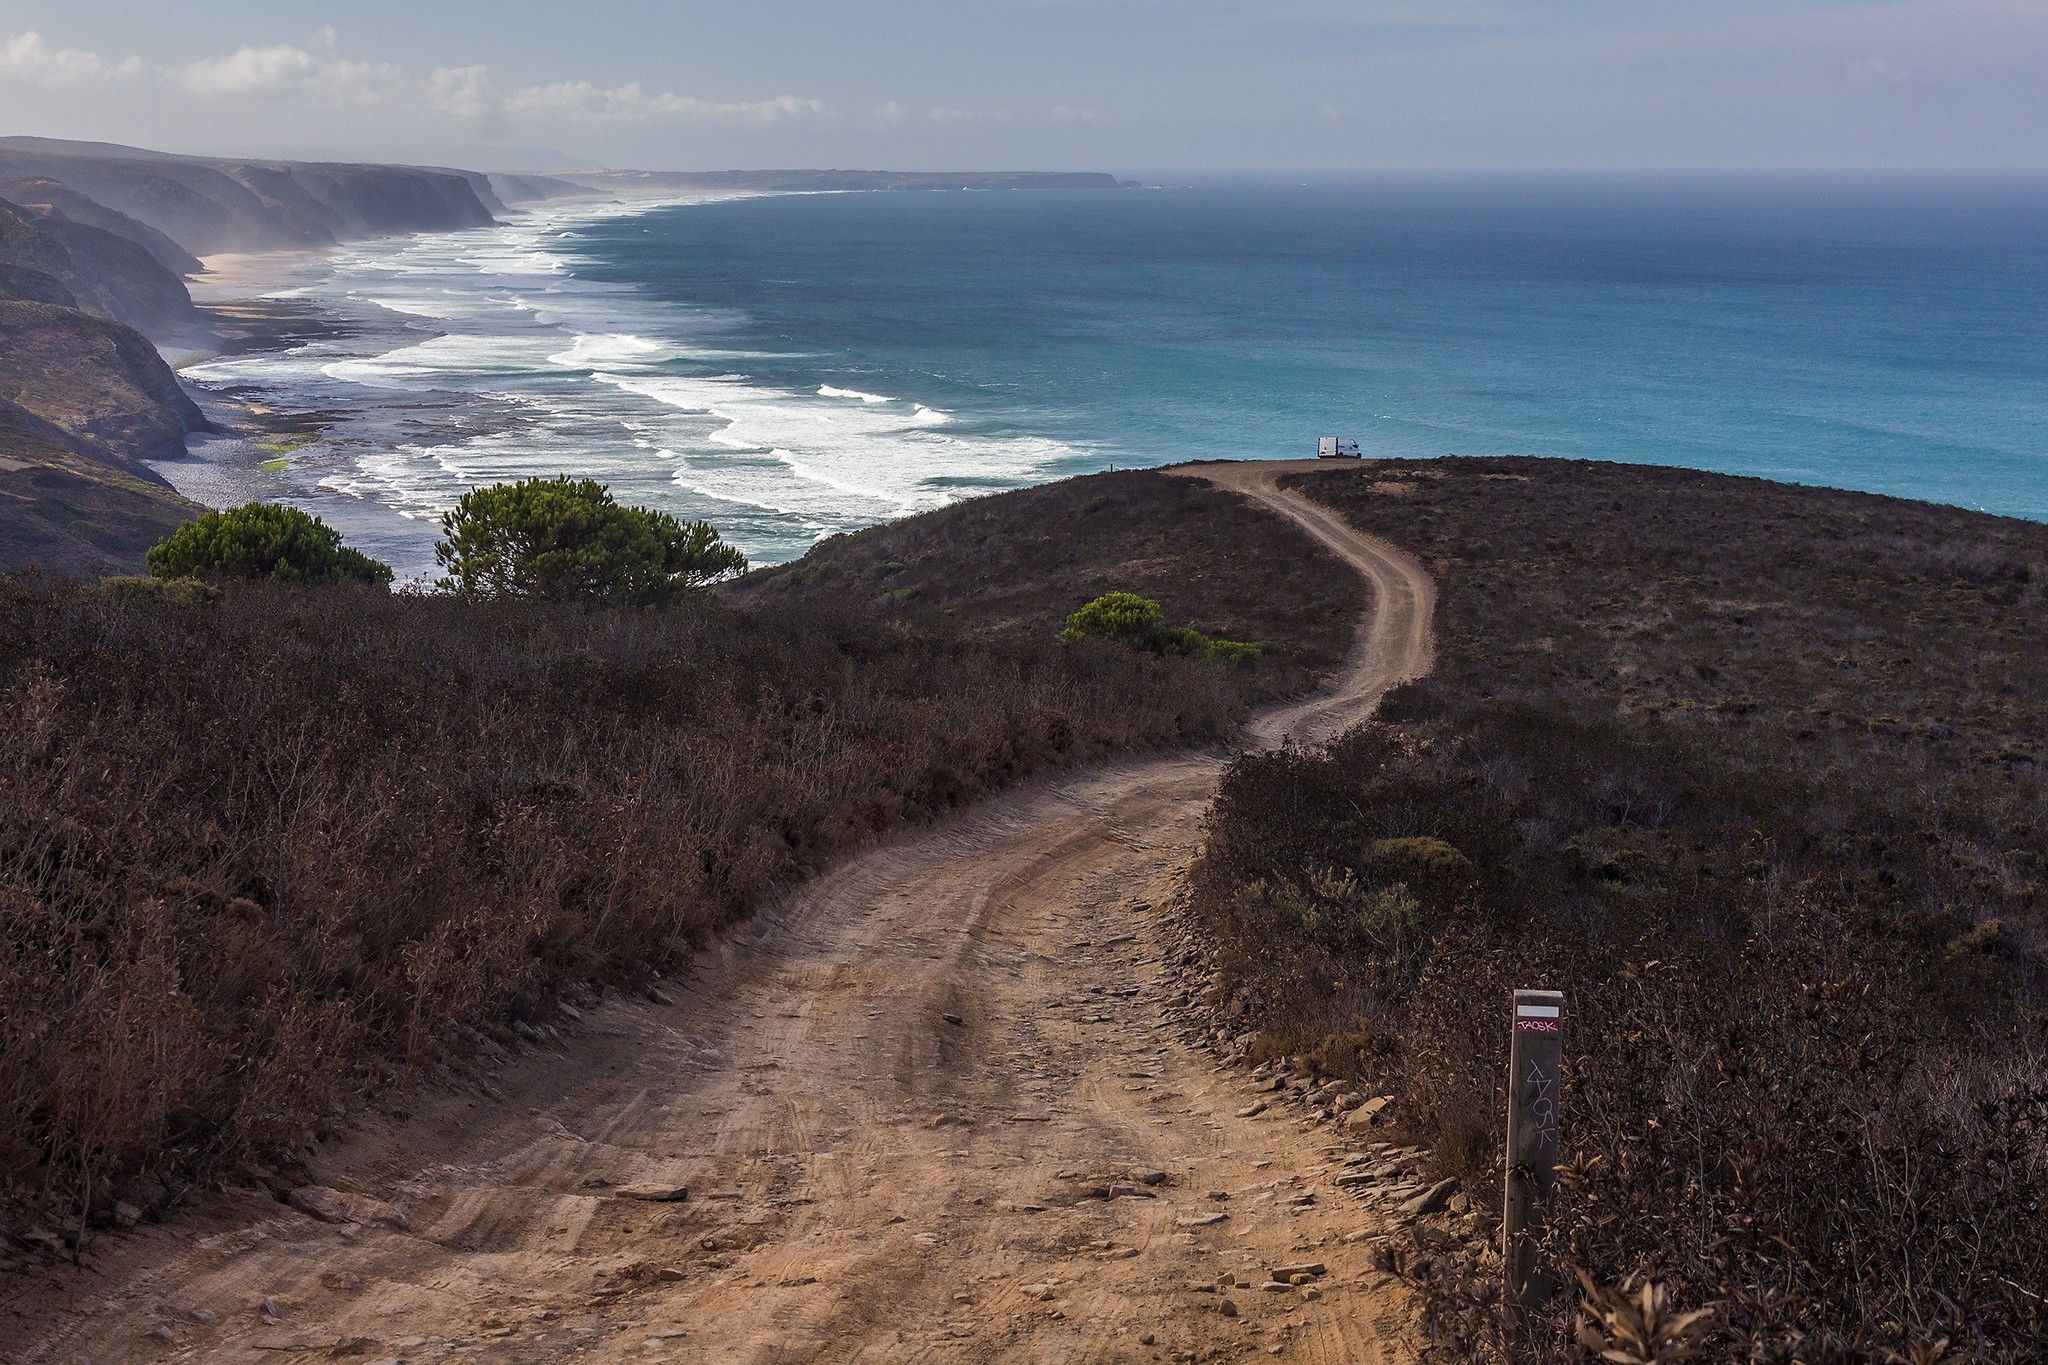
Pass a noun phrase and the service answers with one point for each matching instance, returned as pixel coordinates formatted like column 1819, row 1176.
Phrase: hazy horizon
column 1156, row 87
column 483, row 157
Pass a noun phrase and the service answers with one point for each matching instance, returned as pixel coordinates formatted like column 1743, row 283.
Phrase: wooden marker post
column 1535, row 1057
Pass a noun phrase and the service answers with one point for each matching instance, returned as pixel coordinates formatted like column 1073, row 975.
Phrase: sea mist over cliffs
column 794, row 365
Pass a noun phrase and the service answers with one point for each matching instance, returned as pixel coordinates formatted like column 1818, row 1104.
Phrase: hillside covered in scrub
column 85, row 398
column 1755, row 774
column 267, row 850
column 1000, row 568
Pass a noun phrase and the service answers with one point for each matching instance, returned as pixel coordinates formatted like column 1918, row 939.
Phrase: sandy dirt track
column 895, row 1101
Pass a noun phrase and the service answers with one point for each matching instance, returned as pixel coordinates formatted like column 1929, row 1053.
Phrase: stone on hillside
column 1431, row 1199
column 1368, row 1113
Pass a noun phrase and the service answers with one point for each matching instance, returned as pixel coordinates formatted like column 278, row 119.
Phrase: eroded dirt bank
column 897, row 1103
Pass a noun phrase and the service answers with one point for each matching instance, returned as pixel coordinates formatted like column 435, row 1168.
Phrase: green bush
column 567, row 540
column 1391, row 919
column 180, row 592
column 1127, row 619
column 263, row 540
column 1418, row 853
column 1231, row 651
column 1123, row 617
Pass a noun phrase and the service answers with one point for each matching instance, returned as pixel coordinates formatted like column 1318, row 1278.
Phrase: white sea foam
column 452, row 358
column 418, row 308
column 621, row 348
column 569, row 375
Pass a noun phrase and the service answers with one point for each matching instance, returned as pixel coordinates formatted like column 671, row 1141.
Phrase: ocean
column 789, row 366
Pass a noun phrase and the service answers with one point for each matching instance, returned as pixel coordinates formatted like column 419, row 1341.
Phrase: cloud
column 464, row 91
column 892, row 114
column 582, row 102
column 27, row 57
column 251, row 71
column 285, row 72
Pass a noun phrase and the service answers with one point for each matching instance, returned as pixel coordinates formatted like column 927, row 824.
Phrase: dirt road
column 895, row 1102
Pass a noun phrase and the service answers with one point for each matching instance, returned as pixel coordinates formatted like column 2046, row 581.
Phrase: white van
column 1337, row 448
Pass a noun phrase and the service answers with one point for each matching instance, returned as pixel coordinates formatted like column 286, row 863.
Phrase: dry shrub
column 1002, row 566
column 1748, row 772
column 1636, row 1324
column 262, row 855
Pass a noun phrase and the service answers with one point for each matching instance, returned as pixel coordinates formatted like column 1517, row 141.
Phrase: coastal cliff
column 95, row 242
column 107, row 274
column 56, row 199
column 66, row 508
column 99, row 381
column 208, row 205
column 85, row 398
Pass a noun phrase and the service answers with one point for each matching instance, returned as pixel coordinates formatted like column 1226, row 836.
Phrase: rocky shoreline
column 96, row 244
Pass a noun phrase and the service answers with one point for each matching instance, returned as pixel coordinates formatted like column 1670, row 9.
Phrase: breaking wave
column 483, row 356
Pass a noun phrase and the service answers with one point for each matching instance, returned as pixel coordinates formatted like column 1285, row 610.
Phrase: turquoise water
column 795, row 365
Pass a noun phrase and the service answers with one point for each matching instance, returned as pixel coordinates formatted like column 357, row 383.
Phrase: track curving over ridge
column 888, row 1097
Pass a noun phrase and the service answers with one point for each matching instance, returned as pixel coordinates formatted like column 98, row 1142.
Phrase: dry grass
column 1753, row 773
column 1000, row 568
column 266, row 854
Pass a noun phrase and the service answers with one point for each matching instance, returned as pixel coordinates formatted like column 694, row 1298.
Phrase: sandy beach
column 232, row 276
column 240, row 293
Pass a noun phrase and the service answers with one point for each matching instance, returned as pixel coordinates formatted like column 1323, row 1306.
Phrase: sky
column 1130, row 86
